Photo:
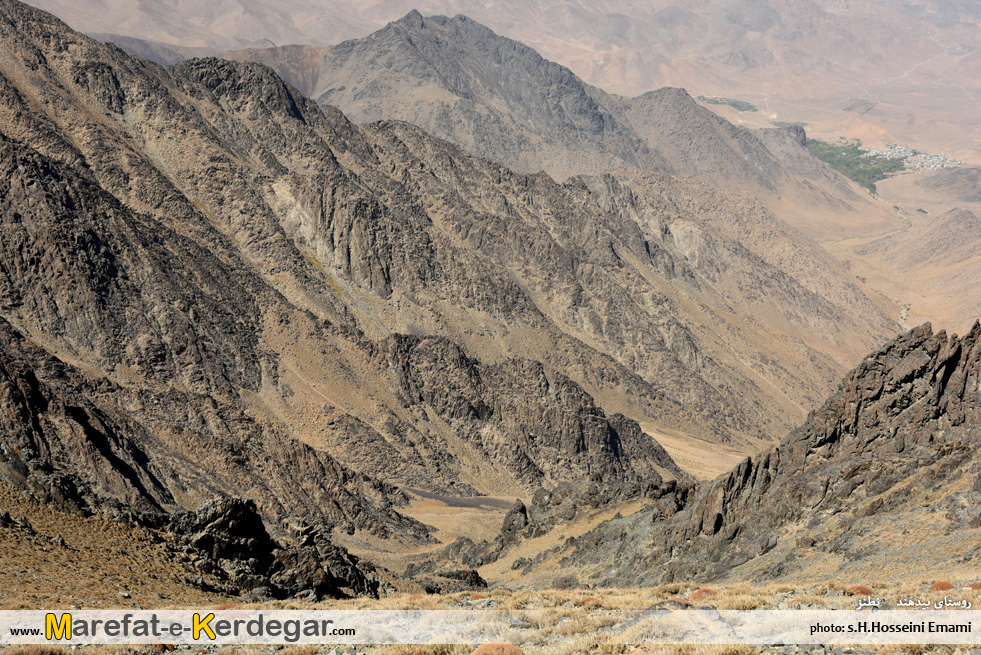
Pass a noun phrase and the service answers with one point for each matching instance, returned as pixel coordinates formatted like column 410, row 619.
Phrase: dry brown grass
column 498, row 649
column 100, row 561
column 427, row 649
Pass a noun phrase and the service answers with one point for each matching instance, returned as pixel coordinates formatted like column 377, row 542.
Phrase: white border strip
column 252, row 626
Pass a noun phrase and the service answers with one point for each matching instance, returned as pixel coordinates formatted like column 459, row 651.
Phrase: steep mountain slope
column 961, row 184
column 885, row 471
column 935, row 259
column 167, row 320
column 458, row 80
column 226, row 267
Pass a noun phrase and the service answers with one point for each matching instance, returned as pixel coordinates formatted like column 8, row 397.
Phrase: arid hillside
column 627, row 47
column 884, row 472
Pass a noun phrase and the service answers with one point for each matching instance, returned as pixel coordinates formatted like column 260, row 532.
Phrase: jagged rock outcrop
column 843, row 487
column 911, row 410
column 231, row 543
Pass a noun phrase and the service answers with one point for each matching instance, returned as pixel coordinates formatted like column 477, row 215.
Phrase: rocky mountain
column 500, row 99
column 884, row 471
column 796, row 49
column 460, row 81
column 253, row 264
column 212, row 286
column 178, row 305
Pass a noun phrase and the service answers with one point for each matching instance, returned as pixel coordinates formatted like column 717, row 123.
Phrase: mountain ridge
column 639, row 46
column 890, row 454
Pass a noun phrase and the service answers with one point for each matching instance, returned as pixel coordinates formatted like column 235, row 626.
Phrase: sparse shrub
column 300, row 650
column 430, row 649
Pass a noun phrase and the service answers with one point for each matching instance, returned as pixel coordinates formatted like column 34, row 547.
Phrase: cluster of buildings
column 915, row 160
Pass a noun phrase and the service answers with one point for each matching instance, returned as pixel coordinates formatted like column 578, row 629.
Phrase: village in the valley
column 914, row 159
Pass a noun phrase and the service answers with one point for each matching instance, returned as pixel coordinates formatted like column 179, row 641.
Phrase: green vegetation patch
column 861, row 106
column 848, row 159
column 741, row 105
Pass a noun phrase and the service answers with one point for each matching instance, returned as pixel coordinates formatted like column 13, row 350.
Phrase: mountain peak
column 412, row 19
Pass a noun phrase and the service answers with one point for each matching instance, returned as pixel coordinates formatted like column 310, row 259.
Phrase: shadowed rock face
column 231, row 540
column 911, row 404
column 76, row 441
column 554, row 430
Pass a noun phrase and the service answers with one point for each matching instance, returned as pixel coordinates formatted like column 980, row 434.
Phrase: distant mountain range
column 798, row 49
column 500, row 99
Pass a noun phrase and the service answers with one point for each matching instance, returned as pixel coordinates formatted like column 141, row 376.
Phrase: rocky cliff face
column 233, row 548
column 423, row 70
column 528, row 419
column 888, row 460
column 71, row 438
column 500, row 99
